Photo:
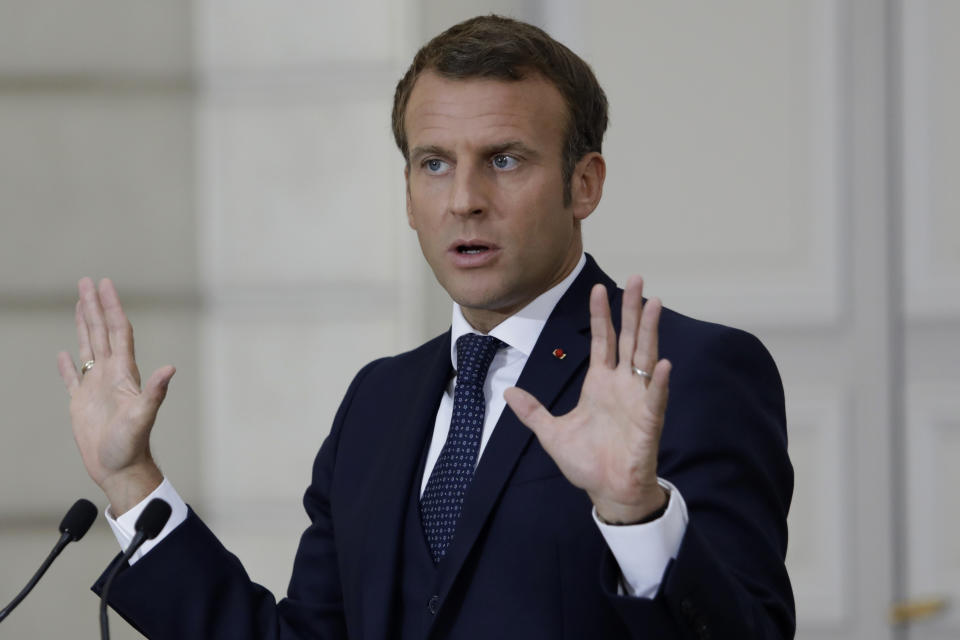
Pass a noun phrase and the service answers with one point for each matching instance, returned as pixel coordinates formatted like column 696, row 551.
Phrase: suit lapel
column 545, row 376
column 399, row 457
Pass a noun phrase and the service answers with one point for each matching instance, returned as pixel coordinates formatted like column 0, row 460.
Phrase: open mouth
column 471, row 249
column 473, row 252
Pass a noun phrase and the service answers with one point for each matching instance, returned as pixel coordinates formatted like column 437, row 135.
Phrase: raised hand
column 111, row 415
column 608, row 444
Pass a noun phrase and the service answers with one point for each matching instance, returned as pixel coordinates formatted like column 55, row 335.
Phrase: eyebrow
column 511, row 145
column 428, row 150
column 489, row 150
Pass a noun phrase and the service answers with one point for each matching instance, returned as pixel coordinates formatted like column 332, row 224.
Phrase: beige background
column 786, row 166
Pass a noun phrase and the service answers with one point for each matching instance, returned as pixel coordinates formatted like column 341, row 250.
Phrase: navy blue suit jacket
column 527, row 560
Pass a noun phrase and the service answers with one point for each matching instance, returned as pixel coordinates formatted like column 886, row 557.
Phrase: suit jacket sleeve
column 724, row 447
column 190, row 586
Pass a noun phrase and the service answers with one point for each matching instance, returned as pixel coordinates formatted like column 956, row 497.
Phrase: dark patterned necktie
column 442, row 499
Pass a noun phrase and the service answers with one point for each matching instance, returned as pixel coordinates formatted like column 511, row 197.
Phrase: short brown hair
column 497, row 47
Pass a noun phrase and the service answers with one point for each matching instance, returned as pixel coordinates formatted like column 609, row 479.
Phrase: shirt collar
column 522, row 329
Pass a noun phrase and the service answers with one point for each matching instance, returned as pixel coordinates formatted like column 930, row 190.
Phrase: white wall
column 97, row 177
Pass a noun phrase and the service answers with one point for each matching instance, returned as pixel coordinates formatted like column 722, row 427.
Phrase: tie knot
column 474, row 355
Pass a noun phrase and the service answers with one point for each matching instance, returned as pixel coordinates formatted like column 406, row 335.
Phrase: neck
column 484, row 320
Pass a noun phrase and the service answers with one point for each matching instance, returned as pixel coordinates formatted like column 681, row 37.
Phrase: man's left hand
column 608, row 444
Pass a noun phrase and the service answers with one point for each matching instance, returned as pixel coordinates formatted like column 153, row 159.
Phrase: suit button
column 433, row 605
column 703, row 631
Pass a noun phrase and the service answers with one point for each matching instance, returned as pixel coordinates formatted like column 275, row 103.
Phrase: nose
column 468, row 192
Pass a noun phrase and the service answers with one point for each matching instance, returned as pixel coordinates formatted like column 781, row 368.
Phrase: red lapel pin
column 559, row 353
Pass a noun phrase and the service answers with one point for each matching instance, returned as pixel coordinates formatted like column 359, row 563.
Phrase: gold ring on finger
column 642, row 373
column 86, row 367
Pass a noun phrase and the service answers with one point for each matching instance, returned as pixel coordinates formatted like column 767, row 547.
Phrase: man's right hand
column 111, row 415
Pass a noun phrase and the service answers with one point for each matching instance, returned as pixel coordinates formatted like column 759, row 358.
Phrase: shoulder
column 391, row 379
column 407, row 361
column 683, row 338
column 405, row 364
column 722, row 368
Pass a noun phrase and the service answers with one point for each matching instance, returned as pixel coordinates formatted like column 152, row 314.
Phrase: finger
column 68, row 372
column 156, row 388
column 93, row 316
column 630, row 320
column 83, row 336
column 118, row 326
column 529, row 410
column 648, row 336
column 659, row 389
column 603, row 340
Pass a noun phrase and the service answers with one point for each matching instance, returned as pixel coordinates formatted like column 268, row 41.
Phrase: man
column 434, row 512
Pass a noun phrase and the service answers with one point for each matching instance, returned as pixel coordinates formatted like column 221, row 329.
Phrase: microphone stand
column 72, row 528
column 65, row 539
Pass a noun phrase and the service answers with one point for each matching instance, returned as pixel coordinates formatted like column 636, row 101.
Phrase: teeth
column 472, row 250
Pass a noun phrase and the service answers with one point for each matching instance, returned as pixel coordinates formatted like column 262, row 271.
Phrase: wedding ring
column 86, row 367
column 642, row 373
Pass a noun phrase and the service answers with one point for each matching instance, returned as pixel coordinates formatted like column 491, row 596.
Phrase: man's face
column 485, row 190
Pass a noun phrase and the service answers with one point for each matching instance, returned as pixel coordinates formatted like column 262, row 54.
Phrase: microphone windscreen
column 78, row 519
column 153, row 518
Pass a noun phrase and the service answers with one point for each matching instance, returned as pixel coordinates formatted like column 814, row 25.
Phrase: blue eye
column 504, row 162
column 435, row 165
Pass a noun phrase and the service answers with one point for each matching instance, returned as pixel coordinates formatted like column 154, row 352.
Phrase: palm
column 602, row 442
column 106, row 417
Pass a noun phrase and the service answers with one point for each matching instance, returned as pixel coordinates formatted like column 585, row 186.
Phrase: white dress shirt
column 642, row 551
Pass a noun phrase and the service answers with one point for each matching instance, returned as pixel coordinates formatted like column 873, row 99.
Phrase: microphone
column 148, row 526
column 73, row 527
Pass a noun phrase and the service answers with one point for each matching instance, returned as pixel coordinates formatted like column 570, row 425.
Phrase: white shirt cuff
column 124, row 526
column 643, row 551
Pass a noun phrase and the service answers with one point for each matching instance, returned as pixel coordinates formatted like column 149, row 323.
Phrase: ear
column 586, row 184
column 406, row 180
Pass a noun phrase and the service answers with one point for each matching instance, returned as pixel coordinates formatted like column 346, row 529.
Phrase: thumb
column 529, row 410
column 155, row 390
